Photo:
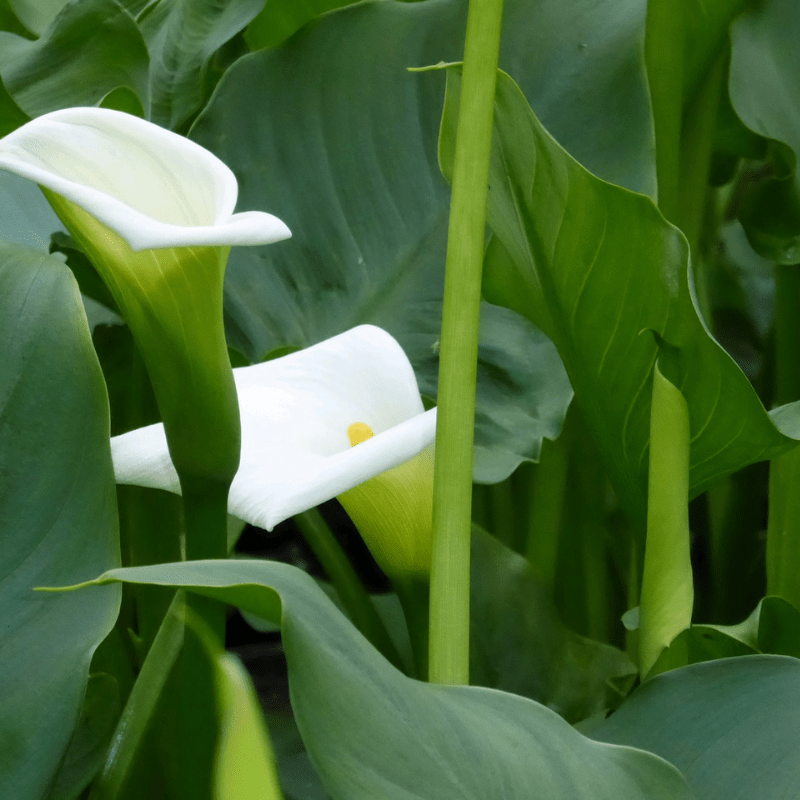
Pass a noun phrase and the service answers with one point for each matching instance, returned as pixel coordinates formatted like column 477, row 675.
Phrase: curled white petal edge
column 138, row 229
column 332, row 475
column 141, row 457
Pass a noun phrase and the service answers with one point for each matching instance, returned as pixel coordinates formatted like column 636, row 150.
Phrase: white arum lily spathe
column 306, row 421
column 154, row 188
column 154, row 213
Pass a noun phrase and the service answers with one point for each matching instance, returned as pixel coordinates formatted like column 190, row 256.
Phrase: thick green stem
column 141, row 705
column 205, row 512
column 355, row 600
column 697, row 145
column 663, row 48
column 667, row 590
column 783, row 532
column 547, row 508
column 414, row 596
column 450, row 571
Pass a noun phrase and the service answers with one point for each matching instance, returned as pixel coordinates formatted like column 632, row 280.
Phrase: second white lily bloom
column 306, row 422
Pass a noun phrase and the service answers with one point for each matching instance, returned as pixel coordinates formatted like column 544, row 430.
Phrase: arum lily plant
column 341, row 418
column 154, row 212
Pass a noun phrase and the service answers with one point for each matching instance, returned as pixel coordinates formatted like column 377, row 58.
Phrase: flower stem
column 357, row 603
column 783, row 530
column 205, row 513
column 449, row 614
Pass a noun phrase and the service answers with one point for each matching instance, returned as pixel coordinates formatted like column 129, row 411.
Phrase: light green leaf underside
column 595, row 265
column 57, row 515
column 350, row 164
column 667, row 596
column 729, row 725
column 90, row 48
column 372, row 732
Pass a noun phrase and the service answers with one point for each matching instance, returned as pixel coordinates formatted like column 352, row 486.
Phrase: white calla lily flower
column 316, row 424
column 154, row 213
column 154, row 188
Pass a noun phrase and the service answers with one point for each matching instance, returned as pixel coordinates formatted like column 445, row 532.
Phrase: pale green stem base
column 667, row 588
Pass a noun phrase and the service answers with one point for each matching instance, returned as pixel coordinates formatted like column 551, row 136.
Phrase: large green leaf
column 684, row 39
column 36, row 15
column 90, row 48
column 57, row 515
column 182, row 36
column 350, row 164
column 730, row 726
column 100, row 712
column 26, row 217
column 372, row 732
column 595, row 265
column 519, row 644
column 765, row 92
column 11, row 115
column 281, row 18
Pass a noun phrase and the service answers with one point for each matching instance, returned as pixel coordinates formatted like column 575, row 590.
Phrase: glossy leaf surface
column 350, row 165
column 57, row 515
column 519, row 644
column 90, row 48
column 764, row 89
column 594, row 265
column 182, row 37
column 730, row 726
column 372, row 732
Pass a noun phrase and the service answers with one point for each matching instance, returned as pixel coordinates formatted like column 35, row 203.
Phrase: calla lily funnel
column 151, row 186
column 315, row 424
column 154, row 213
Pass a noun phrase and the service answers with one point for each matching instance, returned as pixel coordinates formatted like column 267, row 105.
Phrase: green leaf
column 9, row 21
column 11, row 115
column 298, row 777
column 667, row 595
column 594, row 264
column 36, row 15
column 101, row 709
column 683, row 39
column 57, row 515
column 404, row 738
column 89, row 282
column 772, row 628
column 279, row 19
column 365, row 201
column 245, row 766
column 764, row 89
column 90, row 48
column 730, row 726
column 182, row 36
column 765, row 71
column 518, row 643
column 26, row 216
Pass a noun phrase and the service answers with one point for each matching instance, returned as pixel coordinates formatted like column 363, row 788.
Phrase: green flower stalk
column 154, row 212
